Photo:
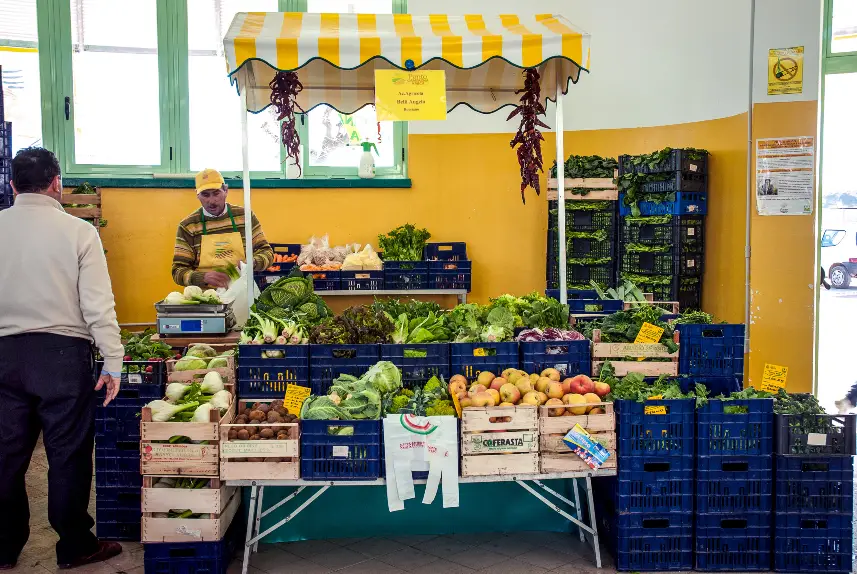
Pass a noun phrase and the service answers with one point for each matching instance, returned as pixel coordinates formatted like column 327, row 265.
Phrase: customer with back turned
column 55, row 301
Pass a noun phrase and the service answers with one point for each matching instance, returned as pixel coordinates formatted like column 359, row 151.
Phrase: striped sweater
column 189, row 240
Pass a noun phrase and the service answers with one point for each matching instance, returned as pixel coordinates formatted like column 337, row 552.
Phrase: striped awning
column 336, row 54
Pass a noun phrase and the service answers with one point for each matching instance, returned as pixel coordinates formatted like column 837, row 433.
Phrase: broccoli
column 399, row 402
column 407, row 392
column 432, row 384
column 440, row 408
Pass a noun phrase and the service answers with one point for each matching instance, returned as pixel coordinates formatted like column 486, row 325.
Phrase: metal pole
column 750, row 182
column 248, row 212
column 560, row 187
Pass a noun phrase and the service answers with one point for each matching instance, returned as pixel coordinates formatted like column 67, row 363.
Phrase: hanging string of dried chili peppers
column 529, row 138
column 285, row 88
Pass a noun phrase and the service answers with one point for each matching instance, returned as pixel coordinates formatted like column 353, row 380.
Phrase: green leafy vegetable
column 405, row 243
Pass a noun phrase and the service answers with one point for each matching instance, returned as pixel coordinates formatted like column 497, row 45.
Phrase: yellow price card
column 661, row 410
column 404, row 96
column 295, row 397
column 774, row 378
column 649, row 334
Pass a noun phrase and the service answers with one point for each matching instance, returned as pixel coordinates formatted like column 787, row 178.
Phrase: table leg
column 250, row 525
column 258, row 524
column 577, row 507
column 593, row 523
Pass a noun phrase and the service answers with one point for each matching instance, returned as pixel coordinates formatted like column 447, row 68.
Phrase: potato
column 233, row 434
column 266, row 433
column 257, row 416
column 274, row 417
column 243, row 434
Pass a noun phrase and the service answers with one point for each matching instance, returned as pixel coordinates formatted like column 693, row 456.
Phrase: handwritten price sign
column 774, row 378
column 649, row 334
column 295, row 397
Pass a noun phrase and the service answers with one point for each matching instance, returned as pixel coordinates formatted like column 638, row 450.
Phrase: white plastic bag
column 237, row 296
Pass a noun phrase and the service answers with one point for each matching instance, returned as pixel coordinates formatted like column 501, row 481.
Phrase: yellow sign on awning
column 785, row 71
column 406, row 96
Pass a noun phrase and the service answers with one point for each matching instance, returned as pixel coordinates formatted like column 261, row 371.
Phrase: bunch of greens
column 405, row 243
column 533, row 311
column 624, row 326
column 648, row 219
column 691, row 317
column 653, row 160
column 431, row 400
column 292, row 299
column 627, row 291
column 643, row 248
column 140, row 347
column 351, row 398
column 580, row 166
column 358, row 325
column 464, row 322
column 412, row 308
column 648, row 279
column 633, row 387
column 589, row 260
column 428, row 329
column 631, row 186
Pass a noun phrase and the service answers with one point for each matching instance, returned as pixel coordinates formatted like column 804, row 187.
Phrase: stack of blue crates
column 712, row 355
column 669, row 251
column 5, row 154
column 734, row 445
column 814, row 493
column 647, row 510
column 118, row 481
column 590, row 251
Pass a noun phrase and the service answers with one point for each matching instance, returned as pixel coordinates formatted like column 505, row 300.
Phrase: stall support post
column 560, row 187
column 248, row 212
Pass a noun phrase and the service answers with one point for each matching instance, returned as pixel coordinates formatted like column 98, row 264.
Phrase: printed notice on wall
column 785, row 71
column 785, row 173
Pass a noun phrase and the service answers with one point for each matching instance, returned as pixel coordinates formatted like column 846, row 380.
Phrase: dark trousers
column 47, row 384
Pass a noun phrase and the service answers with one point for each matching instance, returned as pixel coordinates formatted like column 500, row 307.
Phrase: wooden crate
column 212, row 499
column 189, row 459
column 555, row 454
column 616, row 352
column 602, row 188
column 90, row 214
column 499, row 440
column 174, row 376
column 232, row 453
column 191, row 529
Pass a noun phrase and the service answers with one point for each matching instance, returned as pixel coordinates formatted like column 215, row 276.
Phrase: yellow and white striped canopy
column 337, row 54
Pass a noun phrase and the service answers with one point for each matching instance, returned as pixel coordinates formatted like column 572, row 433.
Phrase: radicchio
column 549, row 334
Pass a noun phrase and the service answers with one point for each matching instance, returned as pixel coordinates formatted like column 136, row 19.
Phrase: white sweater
column 53, row 277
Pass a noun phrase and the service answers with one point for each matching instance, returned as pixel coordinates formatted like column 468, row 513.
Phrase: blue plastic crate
column 685, row 231
column 653, row 542
column 734, row 542
column 450, row 274
column 721, row 430
column 812, row 543
column 194, row 557
column 677, row 160
column 265, row 278
column 129, row 531
column 263, row 378
column 118, row 497
column 119, row 457
column 418, row 362
column 470, row 359
column 573, row 294
column 595, row 305
column 406, row 275
column 108, row 513
column 581, row 274
column 327, row 362
column 672, row 262
column 127, row 479
column 727, row 484
column 716, row 385
column 711, row 350
column 568, row 357
column 454, row 251
column 641, row 434
column 325, row 280
column 654, row 484
column 581, row 246
column 362, row 280
column 674, row 182
column 135, row 377
column 329, row 456
column 815, row 435
column 814, row 485
column 107, row 429
column 686, row 202
column 5, row 139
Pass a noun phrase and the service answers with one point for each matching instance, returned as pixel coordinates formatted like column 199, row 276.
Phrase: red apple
column 497, row 382
column 602, row 389
column 581, row 384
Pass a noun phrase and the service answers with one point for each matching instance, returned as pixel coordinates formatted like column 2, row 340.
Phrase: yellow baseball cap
column 208, row 179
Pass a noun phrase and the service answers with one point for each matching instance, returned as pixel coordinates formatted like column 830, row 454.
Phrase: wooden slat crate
column 191, row 529
column 211, row 499
column 161, row 458
column 174, row 376
column 617, row 352
column 555, row 454
column 602, row 188
column 91, row 214
column 499, row 440
column 235, row 454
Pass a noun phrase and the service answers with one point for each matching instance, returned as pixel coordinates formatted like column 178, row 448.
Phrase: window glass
column 116, row 86
column 832, row 237
column 844, row 26
column 334, row 138
column 213, row 104
column 19, row 66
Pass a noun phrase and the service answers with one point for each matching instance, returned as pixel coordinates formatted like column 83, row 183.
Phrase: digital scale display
column 191, row 325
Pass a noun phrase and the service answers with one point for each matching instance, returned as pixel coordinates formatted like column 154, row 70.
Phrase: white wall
column 655, row 62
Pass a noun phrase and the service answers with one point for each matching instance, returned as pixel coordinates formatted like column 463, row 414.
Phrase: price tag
column 135, row 379
column 691, row 231
column 457, row 405
column 480, row 352
column 340, row 452
column 655, row 397
column 649, row 334
column 816, row 439
column 662, row 410
column 774, row 378
column 693, row 167
column 295, row 397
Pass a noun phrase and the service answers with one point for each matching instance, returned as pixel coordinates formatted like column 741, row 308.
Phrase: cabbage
column 190, row 364
column 218, row 363
column 201, row 350
column 192, row 292
column 384, row 376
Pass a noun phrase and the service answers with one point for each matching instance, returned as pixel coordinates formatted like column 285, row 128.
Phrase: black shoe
column 106, row 551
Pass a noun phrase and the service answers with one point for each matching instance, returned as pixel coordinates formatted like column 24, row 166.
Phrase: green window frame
column 57, row 83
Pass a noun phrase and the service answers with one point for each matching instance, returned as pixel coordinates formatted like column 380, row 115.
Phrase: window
column 19, row 60
column 140, row 89
column 832, row 237
column 844, row 30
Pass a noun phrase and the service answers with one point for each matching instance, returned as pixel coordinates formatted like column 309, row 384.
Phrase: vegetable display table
column 571, row 510
column 230, row 338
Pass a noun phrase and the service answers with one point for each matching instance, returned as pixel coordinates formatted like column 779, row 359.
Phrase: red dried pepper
column 285, row 88
column 528, row 136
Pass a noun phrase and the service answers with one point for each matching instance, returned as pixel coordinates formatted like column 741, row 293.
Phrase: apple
column 581, row 384
column 496, row 394
column 504, row 404
column 462, row 395
column 524, row 386
column 513, row 377
column 531, row 398
column 497, row 383
column 506, row 372
column 575, row 399
column 543, row 398
column 510, row 393
column 602, row 389
column 476, row 388
column 591, row 398
column 485, row 378
column 483, row 399
column 568, row 413
column 551, row 374
column 457, row 384
column 466, row 402
column 597, row 411
column 554, row 390
column 534, row 378
column 542, row 384
column 555, row 412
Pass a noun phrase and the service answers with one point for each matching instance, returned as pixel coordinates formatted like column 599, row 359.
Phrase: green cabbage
column 384, row 376
column 218, row 363
column 191, row 364
column 201, row 351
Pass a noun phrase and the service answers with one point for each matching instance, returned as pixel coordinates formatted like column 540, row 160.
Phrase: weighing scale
column 194, row 319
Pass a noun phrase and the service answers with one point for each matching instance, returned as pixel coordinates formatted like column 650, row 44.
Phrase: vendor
column 213, row 236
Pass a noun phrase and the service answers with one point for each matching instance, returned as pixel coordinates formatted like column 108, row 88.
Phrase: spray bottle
column 367, row 162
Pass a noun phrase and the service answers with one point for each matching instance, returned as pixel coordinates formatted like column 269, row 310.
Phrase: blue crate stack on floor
column 814, row 492
column 733, row 518
column 712, row 355
column 118, row 481
column 646, row 512
column 5, row 154
column 661, row 248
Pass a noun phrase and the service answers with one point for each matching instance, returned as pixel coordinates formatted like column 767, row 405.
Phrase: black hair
column 33, row 169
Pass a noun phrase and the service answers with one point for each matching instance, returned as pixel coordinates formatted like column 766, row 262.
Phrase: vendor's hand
column 112, row 384
column 217, row 279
